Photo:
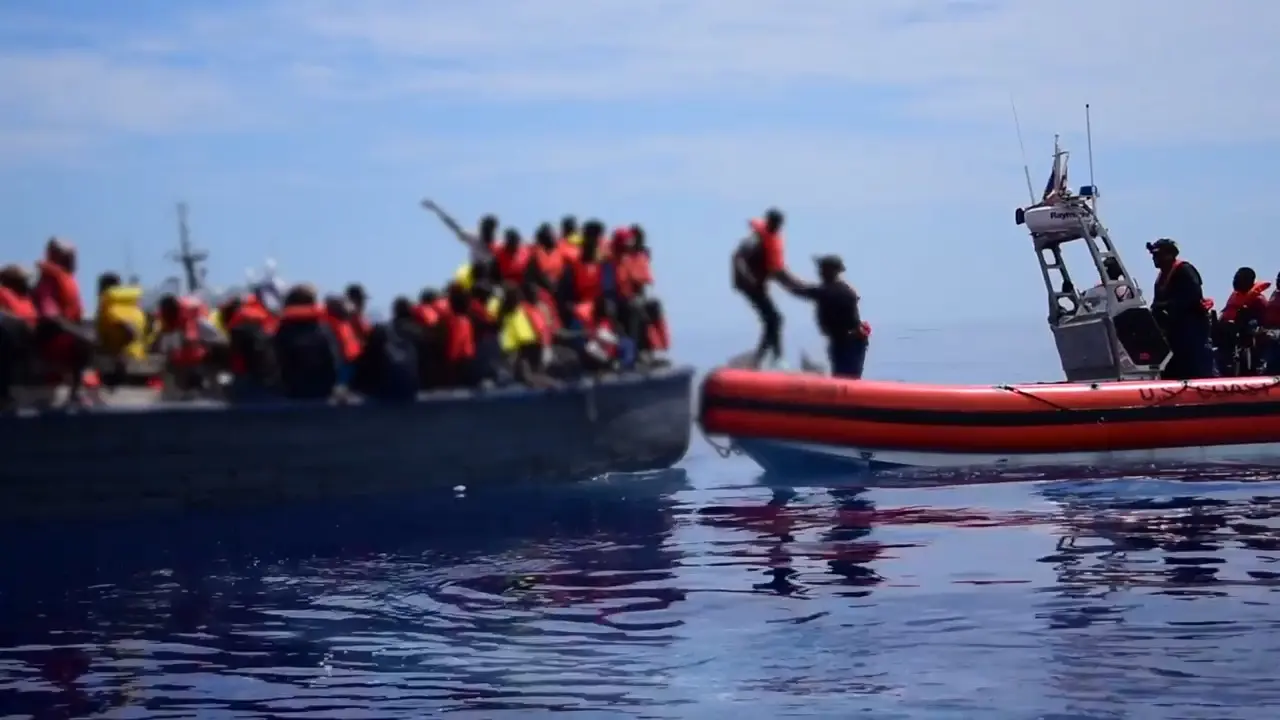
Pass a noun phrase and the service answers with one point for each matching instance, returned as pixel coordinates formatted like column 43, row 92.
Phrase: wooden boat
column 140, row 452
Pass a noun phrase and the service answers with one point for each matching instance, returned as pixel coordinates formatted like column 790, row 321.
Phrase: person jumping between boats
column 480, row 243
column 757, row 260
column 1182, row 312
column 839, row 320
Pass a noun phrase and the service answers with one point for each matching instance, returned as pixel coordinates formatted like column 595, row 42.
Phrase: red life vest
column 541, row 323
column 188, row 351
column 249, row 313
column 57, row 293
column 19, row 306
column 428, row 315
column 570, row 252
column 550, row 262
column 1252, row 299
column 588, row 281
column 511, row 263
column 461, row 345
column 345, row 333
column 657, row 335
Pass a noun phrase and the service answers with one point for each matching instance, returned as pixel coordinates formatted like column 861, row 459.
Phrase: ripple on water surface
column 671, row 595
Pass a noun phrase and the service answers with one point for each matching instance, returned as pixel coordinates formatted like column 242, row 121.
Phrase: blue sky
column 309, row 130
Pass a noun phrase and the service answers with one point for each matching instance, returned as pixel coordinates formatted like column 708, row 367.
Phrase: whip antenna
column 1026, row 170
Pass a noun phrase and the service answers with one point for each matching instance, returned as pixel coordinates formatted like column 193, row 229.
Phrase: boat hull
column 186, row 454
column 802, row 424
column 799, row 460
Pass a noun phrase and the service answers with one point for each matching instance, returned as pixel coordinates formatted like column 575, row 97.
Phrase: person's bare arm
column 789, row 281
column 467, row 237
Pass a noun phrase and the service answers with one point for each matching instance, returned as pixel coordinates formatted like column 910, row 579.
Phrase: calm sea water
column 703, row 592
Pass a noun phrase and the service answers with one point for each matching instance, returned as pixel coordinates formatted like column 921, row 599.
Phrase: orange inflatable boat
column 797, row 423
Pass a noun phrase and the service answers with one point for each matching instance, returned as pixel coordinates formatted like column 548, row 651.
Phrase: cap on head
column 1163, row 245
column 829, row 264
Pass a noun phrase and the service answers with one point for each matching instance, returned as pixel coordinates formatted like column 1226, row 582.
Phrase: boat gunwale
column 432, row 398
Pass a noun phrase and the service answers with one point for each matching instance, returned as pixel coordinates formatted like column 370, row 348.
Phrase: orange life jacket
column 249, row 313
column 1253, row 299
column 588, row 280
column 548, row 302
column 257, row 312
column 550, row 262
column 61, row 291
column 1165, row 275
column 511, row 263
column 189, row 351
column 538, row 318
column 428, row 315
column 570, row 252
column 461, row 344
column 19, row 306
column 345, row 333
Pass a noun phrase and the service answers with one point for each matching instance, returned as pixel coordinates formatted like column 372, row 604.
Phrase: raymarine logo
column 1063, row 216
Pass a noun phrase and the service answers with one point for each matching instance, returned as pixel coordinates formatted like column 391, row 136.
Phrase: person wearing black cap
column 838, row 318
column 1182, row 312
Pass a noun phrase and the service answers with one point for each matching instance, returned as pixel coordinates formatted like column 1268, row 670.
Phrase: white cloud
column 811, row 169
column 1165, row 72
column 1159, row 70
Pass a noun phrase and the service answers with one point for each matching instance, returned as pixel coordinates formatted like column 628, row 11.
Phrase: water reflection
column 799, row 542
column 545, row 599
column 1143, row 573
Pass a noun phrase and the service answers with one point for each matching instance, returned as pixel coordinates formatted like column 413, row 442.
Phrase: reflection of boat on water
column 1166, row 593
column 486, row 590
column 790, row 534
column 1112, row 410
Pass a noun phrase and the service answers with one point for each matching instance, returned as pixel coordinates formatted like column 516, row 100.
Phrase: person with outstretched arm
column 479, row 243
column 757, row 260
column 839, row 318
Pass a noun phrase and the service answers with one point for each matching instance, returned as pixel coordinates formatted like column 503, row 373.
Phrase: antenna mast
column 189, row 257
column 1088, row 131
column 1026, row 170
column 131, row 275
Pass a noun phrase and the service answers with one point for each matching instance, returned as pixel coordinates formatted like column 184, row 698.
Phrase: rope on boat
column 724, row 451
column 1019, row 391
column 1239, row 390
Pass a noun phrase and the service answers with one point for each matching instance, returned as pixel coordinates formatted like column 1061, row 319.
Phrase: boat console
column 1105, row 332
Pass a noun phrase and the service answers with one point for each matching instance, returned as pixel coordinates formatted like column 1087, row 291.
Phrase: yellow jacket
column 122, row 323
column 517, row 331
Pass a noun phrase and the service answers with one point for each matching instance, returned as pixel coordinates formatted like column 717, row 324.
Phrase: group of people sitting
column 570, row 303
